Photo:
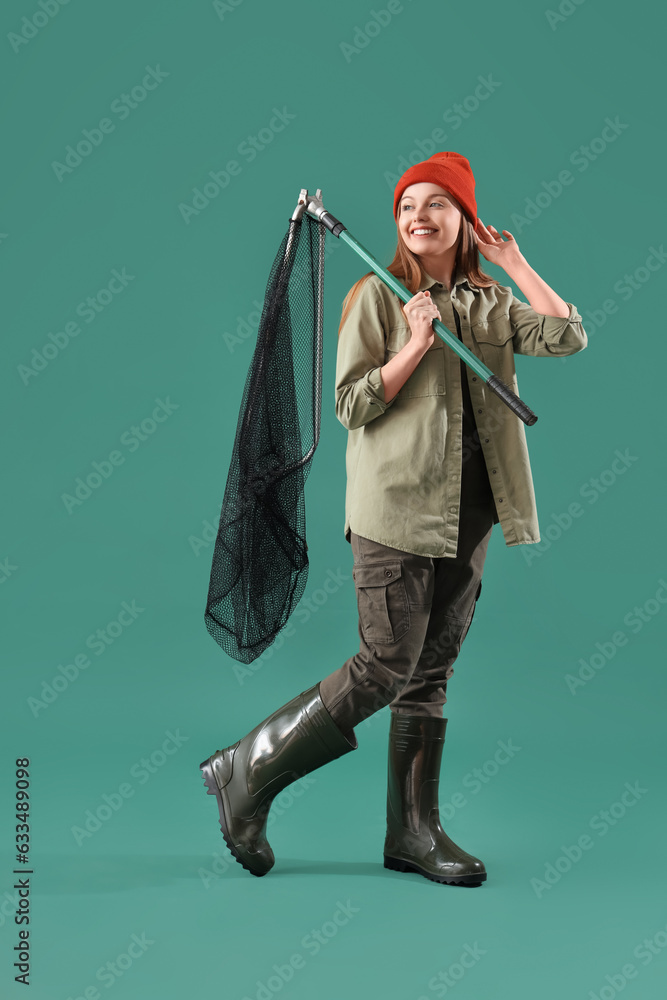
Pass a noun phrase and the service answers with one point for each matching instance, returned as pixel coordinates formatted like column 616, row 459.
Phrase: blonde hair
column 406, row 267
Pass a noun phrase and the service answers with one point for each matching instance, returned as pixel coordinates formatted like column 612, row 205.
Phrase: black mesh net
column 260, row 561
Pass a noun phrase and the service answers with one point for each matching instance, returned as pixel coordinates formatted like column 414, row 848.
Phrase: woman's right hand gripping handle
column 420, row 311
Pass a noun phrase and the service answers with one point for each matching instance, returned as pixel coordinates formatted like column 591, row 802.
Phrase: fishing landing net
column 260, row 560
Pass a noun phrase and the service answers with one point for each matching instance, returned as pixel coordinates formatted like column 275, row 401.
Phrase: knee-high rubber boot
column 246, row 776
column 415, row 840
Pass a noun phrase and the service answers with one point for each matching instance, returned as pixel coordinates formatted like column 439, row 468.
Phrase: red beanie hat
column 450, row 171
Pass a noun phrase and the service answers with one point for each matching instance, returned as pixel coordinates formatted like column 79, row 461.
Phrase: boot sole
column 396, row 865
column 212, row 789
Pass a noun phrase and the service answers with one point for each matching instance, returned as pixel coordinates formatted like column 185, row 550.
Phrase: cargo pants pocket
column 382, row 599
column 471, row 613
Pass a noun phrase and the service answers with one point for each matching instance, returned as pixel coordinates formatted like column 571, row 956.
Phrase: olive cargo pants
column 414, row 613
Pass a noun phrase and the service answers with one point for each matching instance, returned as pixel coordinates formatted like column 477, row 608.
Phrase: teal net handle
column 496, row 384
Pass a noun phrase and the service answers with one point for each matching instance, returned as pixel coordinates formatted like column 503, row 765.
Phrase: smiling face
column 426, row 206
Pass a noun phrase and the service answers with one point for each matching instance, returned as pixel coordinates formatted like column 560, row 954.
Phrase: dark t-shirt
column 475, row 485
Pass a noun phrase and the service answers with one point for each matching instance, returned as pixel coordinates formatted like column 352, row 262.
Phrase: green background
column 182, row 331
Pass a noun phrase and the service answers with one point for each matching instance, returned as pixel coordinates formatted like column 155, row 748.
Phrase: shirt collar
column 460, row 278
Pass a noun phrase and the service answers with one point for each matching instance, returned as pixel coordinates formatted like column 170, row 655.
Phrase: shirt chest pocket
column 497, row 346
column 428, row 378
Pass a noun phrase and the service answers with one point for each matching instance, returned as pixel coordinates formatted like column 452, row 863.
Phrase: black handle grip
column 332, row 223
column 515, row 404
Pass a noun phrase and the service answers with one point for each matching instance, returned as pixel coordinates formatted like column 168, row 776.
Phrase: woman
column 433, row 461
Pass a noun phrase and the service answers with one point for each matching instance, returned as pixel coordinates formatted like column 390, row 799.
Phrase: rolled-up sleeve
column 546, row 336
column 361, row 355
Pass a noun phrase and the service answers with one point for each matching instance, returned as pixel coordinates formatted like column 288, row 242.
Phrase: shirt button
column 474, row 379
column 486, row 440
column 493, row 470
column 387, row 572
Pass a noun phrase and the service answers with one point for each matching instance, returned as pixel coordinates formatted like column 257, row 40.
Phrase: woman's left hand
column 494, row 248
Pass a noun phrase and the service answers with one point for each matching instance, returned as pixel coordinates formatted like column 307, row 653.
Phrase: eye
column 407, row 206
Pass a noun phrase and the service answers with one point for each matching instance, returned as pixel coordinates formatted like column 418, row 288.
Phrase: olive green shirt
column 404, row 457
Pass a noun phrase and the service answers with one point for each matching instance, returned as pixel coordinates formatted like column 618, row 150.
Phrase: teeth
column 420, row 232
